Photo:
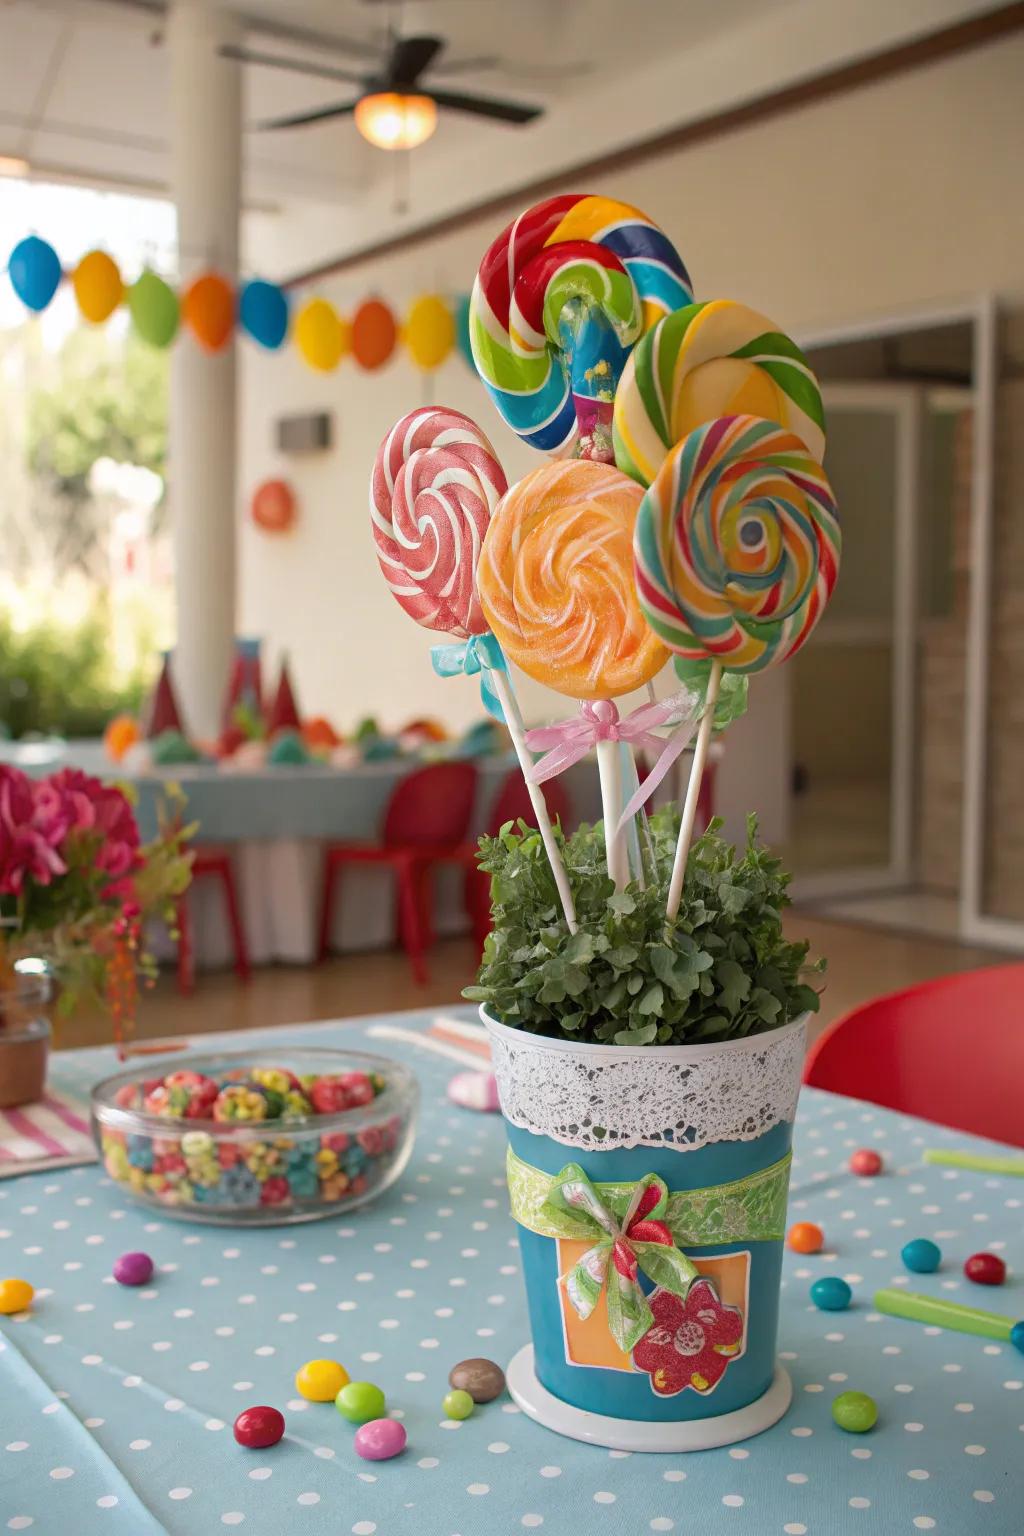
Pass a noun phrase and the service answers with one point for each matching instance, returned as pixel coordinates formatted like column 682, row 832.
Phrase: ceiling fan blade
column 470, row 66
column 302, row 119
column 297, row 66
column 410, row 56
column 484, row 106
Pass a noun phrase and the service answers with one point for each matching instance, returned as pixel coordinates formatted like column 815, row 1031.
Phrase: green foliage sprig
column 721, row 970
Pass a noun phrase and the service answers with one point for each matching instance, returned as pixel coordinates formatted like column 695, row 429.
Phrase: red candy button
column 866, row 1163
column 985, row 1269
column 257, row 1428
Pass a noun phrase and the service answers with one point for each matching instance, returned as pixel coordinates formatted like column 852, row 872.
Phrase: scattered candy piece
column 1017, row 1336
column 806, row 1237
column 259, row 1427
column 360, row 1401
column 457, row 1404
column 320, row 1381
column 380, row 1439
column 985, row 1269
column 133, row 1269
column 866, row 1163
column 15, row 1296
column 921, row 1255
column 831, row 1294
column 474, row 1090
column 482, row 1379
column 855, row 1412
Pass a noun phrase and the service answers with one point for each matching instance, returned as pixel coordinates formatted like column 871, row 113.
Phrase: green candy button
column 360, row 1401
column 458, row 1404
column 855, row 1412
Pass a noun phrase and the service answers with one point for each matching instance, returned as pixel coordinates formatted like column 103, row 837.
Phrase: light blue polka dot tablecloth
column 116, row 1406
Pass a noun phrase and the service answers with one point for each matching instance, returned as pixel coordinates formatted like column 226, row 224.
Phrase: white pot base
column 644, row 1434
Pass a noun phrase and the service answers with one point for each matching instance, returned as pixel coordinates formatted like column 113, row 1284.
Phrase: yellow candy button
column 320, row 1381
column 16, row 1295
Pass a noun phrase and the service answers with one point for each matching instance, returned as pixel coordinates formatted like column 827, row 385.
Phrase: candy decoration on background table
column 475, row 1090
column 705, row 361
column 457, row 1404
column 940, row 1313
column 120, row 735
column 556, row 584
column 263, row 313
column 855, row 1412
column 260, row 1427
column 320, row 1381
column 284, row 711
column 866, row 1163
column 736, row 552
column 481, row 1378
column 561, row 296
column 162, row 713
column 921, row 1255
column 436, row 483
column 830, row 1294
column 360, row 1401
column 35, row 272
column 380, row 1440
column 98, row 287
column 15, row 1296
column 985, row 1269
column 975, row 1162
column 133, row 1269
column 805, row 1237
column 208, row 309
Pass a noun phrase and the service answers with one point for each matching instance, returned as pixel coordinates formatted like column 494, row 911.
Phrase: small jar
column 24, row 1040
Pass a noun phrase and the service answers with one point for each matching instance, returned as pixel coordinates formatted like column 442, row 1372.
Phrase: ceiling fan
column 395, row 108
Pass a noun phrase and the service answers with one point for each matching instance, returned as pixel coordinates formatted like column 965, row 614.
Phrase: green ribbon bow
column 479, row 654
column 639, row 1240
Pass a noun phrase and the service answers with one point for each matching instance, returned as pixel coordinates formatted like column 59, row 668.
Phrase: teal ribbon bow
column 639, row 1240
column 479, row 654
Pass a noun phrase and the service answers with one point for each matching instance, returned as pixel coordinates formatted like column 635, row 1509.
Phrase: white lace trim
column 647, row 1096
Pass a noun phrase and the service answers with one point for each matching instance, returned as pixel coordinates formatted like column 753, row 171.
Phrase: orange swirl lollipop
column 556, row 581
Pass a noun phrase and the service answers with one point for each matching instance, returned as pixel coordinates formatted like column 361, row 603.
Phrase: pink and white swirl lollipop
column 436, row 480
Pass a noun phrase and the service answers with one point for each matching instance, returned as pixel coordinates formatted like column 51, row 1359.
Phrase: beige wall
column 899, row 194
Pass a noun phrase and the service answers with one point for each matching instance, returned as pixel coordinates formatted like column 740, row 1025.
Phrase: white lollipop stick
column 609, row 768
column 700, row 755
column 514, row 721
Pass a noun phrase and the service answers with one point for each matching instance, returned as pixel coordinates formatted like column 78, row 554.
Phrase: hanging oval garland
column 98, row 286
column 374, row 334
column 208, row 309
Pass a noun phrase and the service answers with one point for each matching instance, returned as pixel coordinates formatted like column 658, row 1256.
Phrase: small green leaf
column 652, row 1000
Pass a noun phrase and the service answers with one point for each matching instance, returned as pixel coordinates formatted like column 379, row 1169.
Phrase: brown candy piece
column 482, row 1379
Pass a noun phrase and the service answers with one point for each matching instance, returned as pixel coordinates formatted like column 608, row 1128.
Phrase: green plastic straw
column 977, row 1162
column 944, row 1314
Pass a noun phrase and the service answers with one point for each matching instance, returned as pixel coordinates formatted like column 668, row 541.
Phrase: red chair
column 424, row 825
column 512, row 803
column 212, row 863
column 949, row 1050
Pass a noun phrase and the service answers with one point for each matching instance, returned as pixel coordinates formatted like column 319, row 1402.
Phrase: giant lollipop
column 737, row 552
column 436, row 481
column 709, row 360
column 560, row 297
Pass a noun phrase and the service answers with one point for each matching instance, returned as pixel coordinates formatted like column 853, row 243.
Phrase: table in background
column 117, row 1405
column 276, row 821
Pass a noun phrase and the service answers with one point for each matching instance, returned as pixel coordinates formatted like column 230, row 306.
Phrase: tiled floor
column 863, row 962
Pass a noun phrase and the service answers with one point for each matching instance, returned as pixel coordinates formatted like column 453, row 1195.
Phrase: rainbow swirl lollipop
column 737, row 544
column 556, row 581
column 436, row 481
column 705, row 361
column 561, row 296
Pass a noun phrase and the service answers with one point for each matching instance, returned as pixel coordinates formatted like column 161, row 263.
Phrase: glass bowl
column 257, row 1172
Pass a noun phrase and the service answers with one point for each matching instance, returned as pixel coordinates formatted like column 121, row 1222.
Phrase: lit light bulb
column 393, row 121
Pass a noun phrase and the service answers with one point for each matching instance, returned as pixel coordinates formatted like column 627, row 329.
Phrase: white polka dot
column 604, row 1498
column 180, row 1493
column 550, row 1471
column 428, row 1462
column 415, row 1376
column 92, row 1359
column 532, row 1521
column 477, row 1489
column 371, row 1357
column 265, row 1349
column 60, row 1473
column 297, row 1404
column 107, row 1501
column 429, row 1343
column 139, row 1445
column 241, row 1386
column 903, row 1386
column 674, row 1476
column 983, row 1496
column 860, row 1503
column 975, row 1450
column 913, row 1428
column 389, row 1322
column 732, row 1500
column 739, row 1454
column 952, row 1368
column 325, row 1452
column 364, row 1528
column 260, row 1474
column 20, row 1522
column 662, row 1523
column 924, row 1522
column 93, row 1423
column 794, row 1528
column 18, row 1445
column 498, row 1447
column 964, row 1407
column 919, row 1475
column 838, row 1376
column 1013, row 1386
column 308, row 1498
column 796, row 1477
column 215, row 1424
column 802, row 1432
column 861, row 1453
column 233, row 1517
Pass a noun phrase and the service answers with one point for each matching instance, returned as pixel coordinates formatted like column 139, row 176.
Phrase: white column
column 206, row 145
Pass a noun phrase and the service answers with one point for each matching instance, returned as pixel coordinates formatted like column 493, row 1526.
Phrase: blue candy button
column 831, row 1294
column 921, row 1255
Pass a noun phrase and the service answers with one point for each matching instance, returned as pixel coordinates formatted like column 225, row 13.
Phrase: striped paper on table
column 53, row 1133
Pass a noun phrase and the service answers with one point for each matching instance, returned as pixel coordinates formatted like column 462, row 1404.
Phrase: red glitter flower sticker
column 691, row 1341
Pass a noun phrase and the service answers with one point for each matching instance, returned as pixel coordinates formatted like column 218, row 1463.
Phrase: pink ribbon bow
column 568, row 741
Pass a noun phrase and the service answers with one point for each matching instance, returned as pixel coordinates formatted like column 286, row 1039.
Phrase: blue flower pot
column 699, row 1117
